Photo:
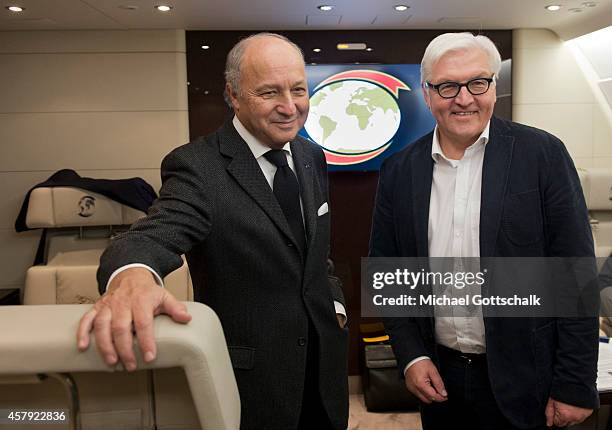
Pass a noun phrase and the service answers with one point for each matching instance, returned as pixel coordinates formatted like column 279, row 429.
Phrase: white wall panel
column 106, row 103
column 548, row 76
column 534, row 39
column 583, row 162
column 551, row 91
column 89, row 140
column 561, row 121
column 92, row 82
column 602, row 162
column 92, row 41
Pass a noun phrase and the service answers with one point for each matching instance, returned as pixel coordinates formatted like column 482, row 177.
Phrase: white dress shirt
column 268, row 169
column 454, row 231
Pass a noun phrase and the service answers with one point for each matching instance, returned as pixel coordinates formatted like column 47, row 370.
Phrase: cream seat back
column 79, row 225
column 597, row 187
column 42, row 341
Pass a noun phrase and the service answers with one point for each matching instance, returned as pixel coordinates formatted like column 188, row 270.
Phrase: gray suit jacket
column 216, row 207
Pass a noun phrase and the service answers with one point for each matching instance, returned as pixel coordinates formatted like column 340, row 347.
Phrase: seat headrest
column 54, row 207
column 598, row 190
column 583, row 176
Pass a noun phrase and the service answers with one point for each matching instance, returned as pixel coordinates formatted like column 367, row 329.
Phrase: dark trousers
column 470, row 403
column 313, row 414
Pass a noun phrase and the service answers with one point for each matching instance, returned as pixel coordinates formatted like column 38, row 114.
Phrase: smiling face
column 463, row 118
column 273, row 99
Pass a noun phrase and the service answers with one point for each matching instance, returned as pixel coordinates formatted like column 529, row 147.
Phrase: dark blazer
column 216, row 206
column 531, row 206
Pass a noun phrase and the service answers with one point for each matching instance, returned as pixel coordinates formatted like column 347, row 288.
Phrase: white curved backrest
column 54, row 207
column 42, row 340
column 597, row 187
column 77, row 284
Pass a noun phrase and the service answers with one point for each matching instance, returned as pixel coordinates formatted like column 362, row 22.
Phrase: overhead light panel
column 351, row 46
column 15, row 9
column 163, row 8
column 369, row 49
column 553, row 7
column 589, row 4
column 325, row 7
column 316, row 49
column 400, row 7
column 205, row 47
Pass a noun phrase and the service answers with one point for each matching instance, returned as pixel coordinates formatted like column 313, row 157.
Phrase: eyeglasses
column 449, row 90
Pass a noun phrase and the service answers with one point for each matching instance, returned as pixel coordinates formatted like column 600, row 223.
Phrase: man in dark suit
column 478, row 186
column 248, row 205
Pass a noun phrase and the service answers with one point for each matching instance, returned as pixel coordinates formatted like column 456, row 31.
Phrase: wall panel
column 109, row 104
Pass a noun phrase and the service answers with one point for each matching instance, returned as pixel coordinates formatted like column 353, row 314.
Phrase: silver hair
column 450, row 42
column 235, row 56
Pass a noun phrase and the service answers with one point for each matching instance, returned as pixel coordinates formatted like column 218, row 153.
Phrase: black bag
column 383, row 389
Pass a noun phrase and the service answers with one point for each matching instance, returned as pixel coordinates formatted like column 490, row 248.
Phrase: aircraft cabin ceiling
column 575, row 17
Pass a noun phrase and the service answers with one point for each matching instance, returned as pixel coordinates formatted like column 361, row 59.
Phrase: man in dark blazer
column 262, row 269
column 478, row 186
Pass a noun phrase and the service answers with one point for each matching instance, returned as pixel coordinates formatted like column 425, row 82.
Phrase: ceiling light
column 316, row 49
column 553, row 7
column 205, row 46
column 325, row 7
column 369, row 49
column 163, row 8
column 589, row 4
column 400, row 7
column 351, row 46
column 575, row 10
column 15, row 8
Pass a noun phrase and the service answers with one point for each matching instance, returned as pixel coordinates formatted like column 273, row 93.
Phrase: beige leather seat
column 597, row 187
column 41, row 341
column 79, row 225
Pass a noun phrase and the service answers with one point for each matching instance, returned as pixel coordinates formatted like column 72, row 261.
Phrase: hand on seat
column 424, row 381
column 129, row 305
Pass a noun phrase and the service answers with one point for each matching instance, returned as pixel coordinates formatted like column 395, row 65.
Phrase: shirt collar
column 436, row 150
column 257, row 148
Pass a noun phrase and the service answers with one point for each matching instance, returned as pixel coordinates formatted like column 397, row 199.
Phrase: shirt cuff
column 422, row 357
column 340, row 310
column 158, row 278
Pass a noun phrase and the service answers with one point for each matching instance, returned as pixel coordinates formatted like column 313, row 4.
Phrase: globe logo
column 354, row 115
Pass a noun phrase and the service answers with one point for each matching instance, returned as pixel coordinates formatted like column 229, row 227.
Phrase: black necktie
column 287, row 192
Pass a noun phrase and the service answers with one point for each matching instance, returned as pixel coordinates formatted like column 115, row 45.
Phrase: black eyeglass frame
column 460, row 85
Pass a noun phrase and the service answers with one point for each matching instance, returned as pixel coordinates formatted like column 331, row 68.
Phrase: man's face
column 461, row 119
column 273, row 100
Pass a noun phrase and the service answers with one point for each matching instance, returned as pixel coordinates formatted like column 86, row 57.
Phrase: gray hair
column 449, row 42
column 236, row 54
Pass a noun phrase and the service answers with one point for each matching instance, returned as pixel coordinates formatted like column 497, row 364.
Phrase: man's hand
column 561, row 414
column 131, row 302
column 424, row 381
column 341, row 320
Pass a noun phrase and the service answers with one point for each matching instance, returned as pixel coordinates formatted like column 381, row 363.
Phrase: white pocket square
column 323, row 209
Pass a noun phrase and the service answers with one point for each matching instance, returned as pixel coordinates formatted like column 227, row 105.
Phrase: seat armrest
column 42, row 340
